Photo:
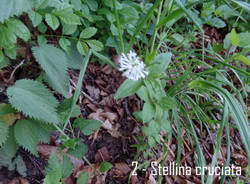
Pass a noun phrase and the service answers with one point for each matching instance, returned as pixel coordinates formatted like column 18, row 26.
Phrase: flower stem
column 118, row 25
column 155, row 31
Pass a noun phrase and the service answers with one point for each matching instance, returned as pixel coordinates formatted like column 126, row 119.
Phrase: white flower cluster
column 132, row 67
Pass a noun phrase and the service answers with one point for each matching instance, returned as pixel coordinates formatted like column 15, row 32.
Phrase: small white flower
column 132, row 67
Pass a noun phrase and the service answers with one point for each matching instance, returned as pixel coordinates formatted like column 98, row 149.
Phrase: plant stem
column 155, row 31
column 118, row 25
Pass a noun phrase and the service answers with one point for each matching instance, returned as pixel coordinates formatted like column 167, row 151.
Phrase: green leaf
column 95, row 45
column 69, row 29
column 83, row 178
column 88, row 32
column 19, row 28
column 104, row 59
column 4, row 131
column 26, row 135
column 65, row 44
column 34, row 100
column 44, row 131
column 67, row 16
column 52, row 21
column 53, row 170
column 244, row 5
column 234, row 39
column 1, row 56
column 79, row 151
column 11, row 52
column 148, row 112
column 160, row 63
column 7, row 38
column 92, row 4
column 54, row 62
column 244, row 59
column 9, row 8
column 74, row 57
column 35, row 17
column 10, row 146
column 82, row 48
column 67, row 167
column 128, row 88
column 105, row 166
column 20, row 166
column 87, row 127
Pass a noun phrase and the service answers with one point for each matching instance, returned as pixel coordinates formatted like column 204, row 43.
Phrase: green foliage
column 105, row 166
column 83, row 178
column 34, row 100
column 3, row 132
column 54, row 62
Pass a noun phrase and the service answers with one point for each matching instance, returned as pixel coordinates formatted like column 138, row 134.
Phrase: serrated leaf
column 82, row 47
column 10, row 146
column 35, row 17
column 83, row 178
column 19, row 28
column 44, row 131
column 26, row 135
column 88, row 32
column 20, row 166
column 54, row 62
column 4, row 130
column 52, row 21
column 53, row 170
column 234, row 39
column 95, row 45
column 34, row 100
column 105, row 166
column 128, row 88
column 9, row 8
column 87, row 127
column 67, row 167
column 79, row 151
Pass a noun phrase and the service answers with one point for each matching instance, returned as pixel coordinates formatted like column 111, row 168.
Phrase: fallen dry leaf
column 102, row 155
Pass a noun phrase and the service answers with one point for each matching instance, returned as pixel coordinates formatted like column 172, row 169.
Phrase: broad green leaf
column 10, row 145
column 7, row 38
column 9, row 8
column 92, row 4
column 17, row 27
column 42, row 28
column 95, row 45
column 4, row 131
column 87, row 127
column 34, row 100
column 128, row 88
column 83, row 178
column 26, row 135
column 65, row 44
column 54, row 62
column 52, row 21
column 35, row 17
column 88, row 32
column 69, row 29
column 105, row 166
column 67, row 16
column 79, row 151
column 11, row 52
column 234, row 39
column 82, row 48
column 77, row 4
column 74, row 57
column 4, row 63
column 67, row 167
column 41, row 40
column 148, row 112
column 244, row 39
column 160, row 63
